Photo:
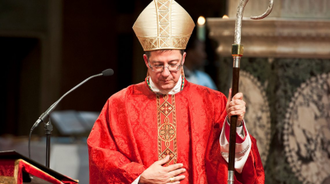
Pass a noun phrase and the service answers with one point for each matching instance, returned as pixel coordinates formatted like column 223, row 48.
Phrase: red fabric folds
column 123, row 141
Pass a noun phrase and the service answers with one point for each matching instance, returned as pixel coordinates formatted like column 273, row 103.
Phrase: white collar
column 173, row 91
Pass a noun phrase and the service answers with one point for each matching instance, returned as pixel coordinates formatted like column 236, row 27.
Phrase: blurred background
column 49, row 46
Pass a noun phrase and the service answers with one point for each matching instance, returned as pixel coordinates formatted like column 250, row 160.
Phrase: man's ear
column 145, row 58
column 184, row 57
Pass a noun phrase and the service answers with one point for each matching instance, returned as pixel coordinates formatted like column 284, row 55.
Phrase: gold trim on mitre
column 163, row 24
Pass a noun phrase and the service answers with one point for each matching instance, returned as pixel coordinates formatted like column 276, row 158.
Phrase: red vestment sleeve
column 217, row 168
column 108, row 164
column 253, row 171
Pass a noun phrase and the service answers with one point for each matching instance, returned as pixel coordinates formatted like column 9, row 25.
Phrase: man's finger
column 176, row 179
column 238, row 96
column 177, row 172
column 236, row 106
column 176, row 182
column 181, row 177
column 236, row 111
column 163, row 161
column 173, row 167
column 236, row 102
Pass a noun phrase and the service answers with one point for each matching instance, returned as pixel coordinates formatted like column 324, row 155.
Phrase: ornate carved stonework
column 306, row 9
column 306, row 132
column 273, row 37
column 294, row 29
column 257, row 115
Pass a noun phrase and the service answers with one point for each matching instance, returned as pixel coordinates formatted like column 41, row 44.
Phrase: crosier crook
column 237, row 53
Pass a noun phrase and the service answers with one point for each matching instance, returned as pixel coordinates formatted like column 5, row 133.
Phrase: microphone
column 107, row 72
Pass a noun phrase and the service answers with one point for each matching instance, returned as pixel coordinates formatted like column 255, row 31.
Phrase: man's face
column 164, row 80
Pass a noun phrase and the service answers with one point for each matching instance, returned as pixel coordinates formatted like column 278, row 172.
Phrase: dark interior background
column 90, row 36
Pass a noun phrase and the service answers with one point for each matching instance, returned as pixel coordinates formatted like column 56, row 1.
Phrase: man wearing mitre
column 165, row 129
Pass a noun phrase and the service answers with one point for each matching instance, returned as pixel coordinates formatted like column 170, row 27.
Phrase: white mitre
column 163, row 24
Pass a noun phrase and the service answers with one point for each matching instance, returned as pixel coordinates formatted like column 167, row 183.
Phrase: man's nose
column 166, row 71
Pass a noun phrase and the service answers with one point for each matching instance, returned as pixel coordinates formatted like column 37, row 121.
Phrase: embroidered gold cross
column 166, row 108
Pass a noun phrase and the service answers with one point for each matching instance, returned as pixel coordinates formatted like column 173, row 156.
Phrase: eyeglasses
column 170, row 67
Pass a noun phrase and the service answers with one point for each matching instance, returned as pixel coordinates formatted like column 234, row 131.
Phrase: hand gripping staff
column 237, row 53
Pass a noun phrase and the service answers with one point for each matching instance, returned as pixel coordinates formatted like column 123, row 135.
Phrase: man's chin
column 166, row 87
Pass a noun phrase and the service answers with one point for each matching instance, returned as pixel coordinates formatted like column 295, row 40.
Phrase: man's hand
column 158, row 174
column 236, row 106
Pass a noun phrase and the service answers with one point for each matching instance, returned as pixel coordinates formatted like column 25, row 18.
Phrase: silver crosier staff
column 237, row 53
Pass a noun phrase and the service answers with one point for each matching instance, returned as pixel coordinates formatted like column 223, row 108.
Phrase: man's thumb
column 229, row 95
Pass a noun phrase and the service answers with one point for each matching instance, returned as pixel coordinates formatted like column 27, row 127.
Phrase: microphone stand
column 48, row 126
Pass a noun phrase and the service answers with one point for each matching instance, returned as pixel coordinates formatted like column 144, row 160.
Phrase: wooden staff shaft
column 233, row 120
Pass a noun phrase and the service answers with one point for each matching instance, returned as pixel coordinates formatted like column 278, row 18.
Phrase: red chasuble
column 137, row 127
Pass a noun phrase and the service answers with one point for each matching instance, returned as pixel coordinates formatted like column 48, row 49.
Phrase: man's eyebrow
column 157, row 62
column 173, row 60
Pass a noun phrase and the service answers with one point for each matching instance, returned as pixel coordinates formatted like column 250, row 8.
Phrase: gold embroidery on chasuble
column 7, row 180
column 166, row 118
